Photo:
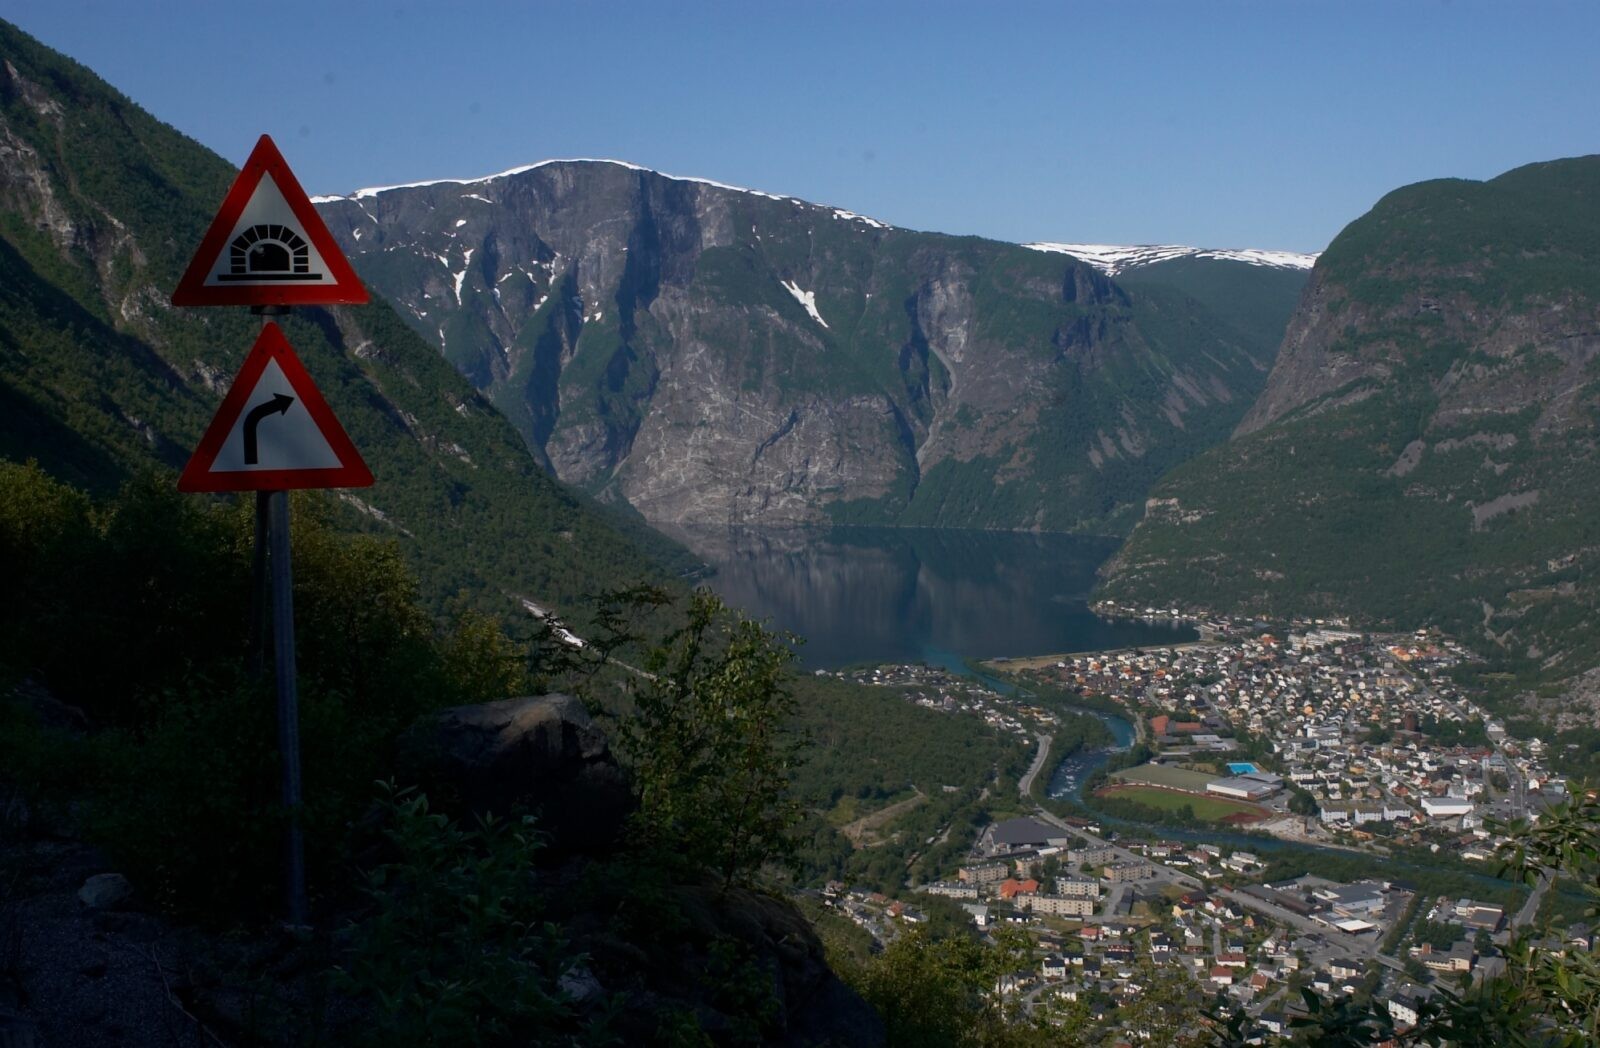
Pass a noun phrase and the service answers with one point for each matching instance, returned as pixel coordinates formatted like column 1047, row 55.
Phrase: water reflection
column 904, row 594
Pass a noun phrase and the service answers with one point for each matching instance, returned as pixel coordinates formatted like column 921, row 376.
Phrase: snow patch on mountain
column 461, row 277
column 851, row 216
column 1112, row 259
column 807, row 299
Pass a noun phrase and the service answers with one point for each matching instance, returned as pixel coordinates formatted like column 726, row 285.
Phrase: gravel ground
column 87, row 978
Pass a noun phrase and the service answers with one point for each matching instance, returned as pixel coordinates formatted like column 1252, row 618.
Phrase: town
column 1372, row 729
column 1312, row 736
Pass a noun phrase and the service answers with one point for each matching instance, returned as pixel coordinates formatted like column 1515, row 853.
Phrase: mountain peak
column 1112, row 259
column 372, row 191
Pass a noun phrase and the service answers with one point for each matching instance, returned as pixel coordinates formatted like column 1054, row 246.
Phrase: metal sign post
column 272, row 524
column 288, row 700
column 268, row 249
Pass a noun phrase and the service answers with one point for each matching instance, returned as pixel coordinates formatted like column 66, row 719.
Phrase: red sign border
column 352, row 472
column 265, row 159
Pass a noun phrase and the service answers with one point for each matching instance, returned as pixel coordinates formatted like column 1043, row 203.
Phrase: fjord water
column 940, row 596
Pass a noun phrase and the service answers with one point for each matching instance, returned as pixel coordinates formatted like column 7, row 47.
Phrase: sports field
column 1211, row 809
column 1166, row 775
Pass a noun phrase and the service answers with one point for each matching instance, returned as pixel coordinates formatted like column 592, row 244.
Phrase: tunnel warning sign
column 267, row 246
column 274, row 431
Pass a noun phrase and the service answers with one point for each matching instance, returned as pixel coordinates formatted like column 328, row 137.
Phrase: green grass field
column 1166, row 775
column 1211, row 809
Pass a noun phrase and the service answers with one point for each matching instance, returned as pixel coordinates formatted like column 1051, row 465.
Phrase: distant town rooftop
column 1018, row 833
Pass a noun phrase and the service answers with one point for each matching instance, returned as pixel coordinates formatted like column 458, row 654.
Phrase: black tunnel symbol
column 269, row 252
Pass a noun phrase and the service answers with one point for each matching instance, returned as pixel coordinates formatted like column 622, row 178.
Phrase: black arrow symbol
column 278, row 405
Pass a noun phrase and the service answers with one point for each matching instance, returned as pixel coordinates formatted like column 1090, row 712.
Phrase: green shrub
column 455, row 949
column 136, row 609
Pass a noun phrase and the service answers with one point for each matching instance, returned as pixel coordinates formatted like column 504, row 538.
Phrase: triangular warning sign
column 274, row 431
column 267, row 246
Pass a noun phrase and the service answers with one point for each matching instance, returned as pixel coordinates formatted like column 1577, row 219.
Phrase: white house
column 1446, row 807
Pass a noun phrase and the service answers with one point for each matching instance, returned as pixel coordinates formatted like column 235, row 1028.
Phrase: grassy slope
column 100, row 379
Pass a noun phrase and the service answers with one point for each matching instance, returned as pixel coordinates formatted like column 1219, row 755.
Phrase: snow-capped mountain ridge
column 1112, row 259
column 372, row 191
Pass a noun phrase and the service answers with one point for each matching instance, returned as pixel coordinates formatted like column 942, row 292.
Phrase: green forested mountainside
column 712, row 355
column 870, row 749
column 100, row 208
column 1425, row 450
column 909, row 744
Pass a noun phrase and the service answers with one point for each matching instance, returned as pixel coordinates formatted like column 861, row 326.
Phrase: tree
column 707, row 745
column 1164, row 1013
column 946, row 992
column 1301, row 802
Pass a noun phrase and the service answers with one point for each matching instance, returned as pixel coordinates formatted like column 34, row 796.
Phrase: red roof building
column 1010, row 888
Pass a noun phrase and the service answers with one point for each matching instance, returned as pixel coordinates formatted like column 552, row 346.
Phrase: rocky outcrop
column 541, row 754
column 719, row 356
column 1308, row 369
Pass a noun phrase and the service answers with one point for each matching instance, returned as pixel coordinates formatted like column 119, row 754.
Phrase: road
column 1025, row 784
column 1164, row 874
column 1530, row 909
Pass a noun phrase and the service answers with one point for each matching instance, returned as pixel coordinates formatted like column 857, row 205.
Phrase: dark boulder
column 541, row 754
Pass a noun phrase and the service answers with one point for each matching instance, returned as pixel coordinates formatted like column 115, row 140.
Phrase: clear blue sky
column 1218, row 124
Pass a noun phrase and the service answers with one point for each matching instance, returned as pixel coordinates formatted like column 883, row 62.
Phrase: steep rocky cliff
column 716, row 355
column 1425, row 449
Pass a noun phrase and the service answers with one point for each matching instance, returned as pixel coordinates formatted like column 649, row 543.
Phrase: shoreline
column 1037, row 662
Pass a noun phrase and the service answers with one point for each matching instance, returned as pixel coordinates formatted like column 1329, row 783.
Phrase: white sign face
column 267, row 247
column 275, row 431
